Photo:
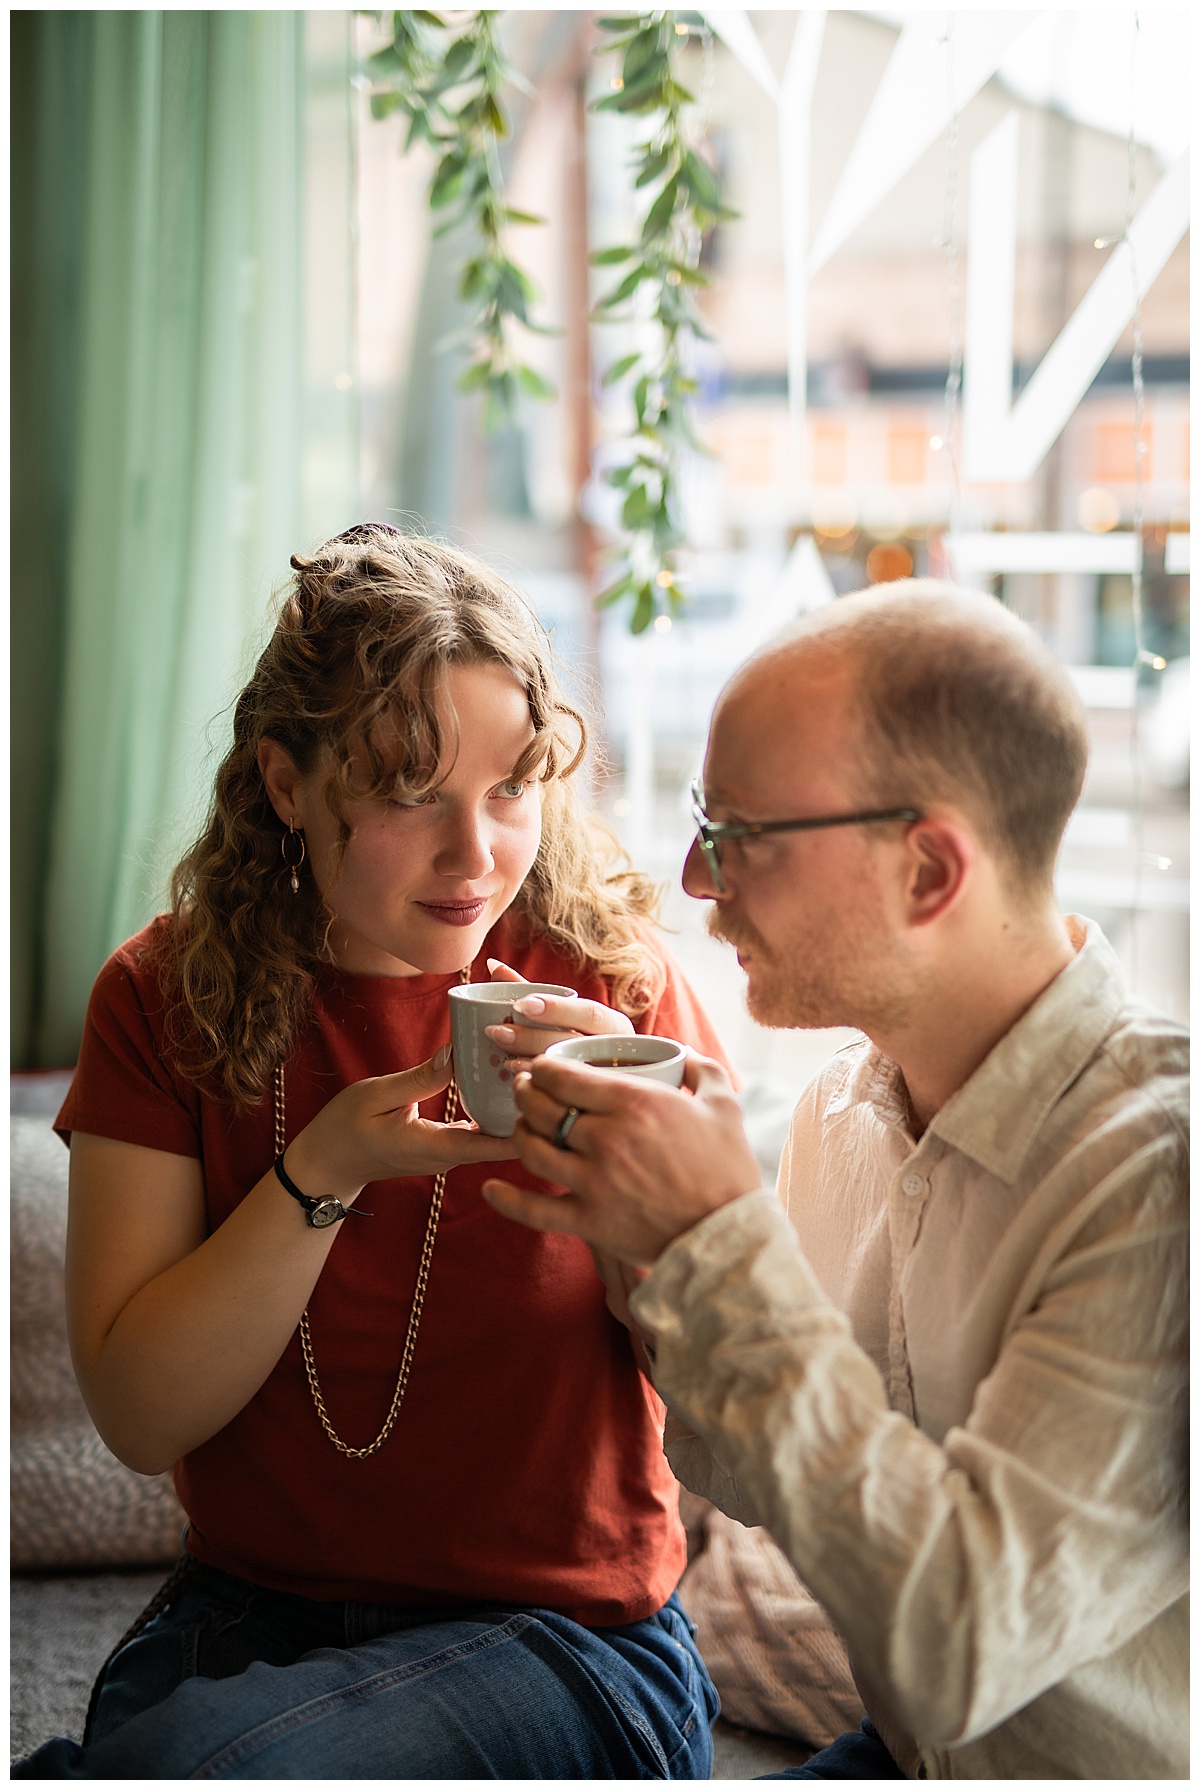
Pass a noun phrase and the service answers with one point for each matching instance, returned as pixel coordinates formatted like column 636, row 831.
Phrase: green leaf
column 531, row 381
column 656, row 163
column 528, row 290
column 520, row 217
column 641, row 392
column 644, row 53
column 458, row 58
column 636, row 511
column 629, row 284
column 618, row 475
column 498, row 407
column 653, row 80
column 477, row 374
column 643, row 610
column 690, row 276
column 615, row 592
column 478, row 279
column 383, row 104
column 509, row 292
column 447, row 182
column 609, row 257
column 700, row 181
column 619, row 368
column 386, row 61
column 494, row 117
column 615, row 24
column 659, row 216
column 621, row 102
column 419, row 127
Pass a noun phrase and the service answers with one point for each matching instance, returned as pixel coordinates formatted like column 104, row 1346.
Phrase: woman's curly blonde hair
column 366, row 632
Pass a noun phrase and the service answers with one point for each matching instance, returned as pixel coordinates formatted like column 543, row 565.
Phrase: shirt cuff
column 734, row 1232
column 740, row 1274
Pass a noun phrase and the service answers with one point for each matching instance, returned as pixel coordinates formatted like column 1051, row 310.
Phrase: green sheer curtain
column 185, row 420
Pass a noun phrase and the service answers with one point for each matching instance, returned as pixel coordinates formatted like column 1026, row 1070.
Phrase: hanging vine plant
column 684, row 205
column 449, row 83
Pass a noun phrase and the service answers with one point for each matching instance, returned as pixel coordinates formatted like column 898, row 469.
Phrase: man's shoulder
column 1143, row 1065
column 1146, row 1045
column 1121, row 1120
column 856, row 1074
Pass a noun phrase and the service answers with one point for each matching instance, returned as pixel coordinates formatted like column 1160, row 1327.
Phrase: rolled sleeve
column 969, row 1575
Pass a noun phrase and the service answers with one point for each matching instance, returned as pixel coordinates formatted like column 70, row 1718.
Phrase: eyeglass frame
column 710, row 832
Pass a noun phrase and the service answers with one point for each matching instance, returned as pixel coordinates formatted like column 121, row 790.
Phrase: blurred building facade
column 866, row 494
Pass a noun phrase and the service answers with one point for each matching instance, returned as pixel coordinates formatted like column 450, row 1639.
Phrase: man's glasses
column 711, row 833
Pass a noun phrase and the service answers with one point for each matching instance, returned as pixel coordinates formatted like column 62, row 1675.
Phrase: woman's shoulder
column 125, row 1086
column 136, row 966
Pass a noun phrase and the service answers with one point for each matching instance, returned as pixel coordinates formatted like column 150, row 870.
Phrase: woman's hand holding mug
column 373, row 1131
column 573, row 1017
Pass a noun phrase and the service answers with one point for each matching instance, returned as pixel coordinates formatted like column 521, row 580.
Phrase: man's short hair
column 961, row 702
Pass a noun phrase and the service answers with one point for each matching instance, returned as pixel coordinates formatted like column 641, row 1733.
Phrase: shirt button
column 913, row 1184
column 897, row 1354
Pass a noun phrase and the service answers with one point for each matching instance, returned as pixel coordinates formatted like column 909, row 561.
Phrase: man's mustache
column 718, row 927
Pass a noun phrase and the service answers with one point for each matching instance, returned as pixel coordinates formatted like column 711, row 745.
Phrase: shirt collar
column 995, row 1116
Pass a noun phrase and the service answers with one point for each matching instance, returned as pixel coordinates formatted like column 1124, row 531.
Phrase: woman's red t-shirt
column 526, row 1464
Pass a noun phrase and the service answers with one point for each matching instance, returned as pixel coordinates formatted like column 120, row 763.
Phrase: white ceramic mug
column 480, row 1066
column 626, row 1053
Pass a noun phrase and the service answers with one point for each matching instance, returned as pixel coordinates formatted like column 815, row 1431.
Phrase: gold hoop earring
column 293, row 864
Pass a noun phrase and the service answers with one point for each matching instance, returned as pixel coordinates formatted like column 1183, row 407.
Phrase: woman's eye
column 512, row 789
column 417, row 802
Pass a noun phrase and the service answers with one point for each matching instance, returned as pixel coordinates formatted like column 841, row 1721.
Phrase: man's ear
column 941, row 863
column 282, row 781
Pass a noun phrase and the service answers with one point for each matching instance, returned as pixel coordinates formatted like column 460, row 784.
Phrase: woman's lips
column 455, row 913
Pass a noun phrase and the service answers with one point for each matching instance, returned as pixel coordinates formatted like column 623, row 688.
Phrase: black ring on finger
column 563, row 1129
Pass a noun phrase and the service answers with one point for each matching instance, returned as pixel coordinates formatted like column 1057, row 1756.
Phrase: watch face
column 328, row 1212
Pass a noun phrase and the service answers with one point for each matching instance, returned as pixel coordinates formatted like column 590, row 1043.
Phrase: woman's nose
column 466, row 849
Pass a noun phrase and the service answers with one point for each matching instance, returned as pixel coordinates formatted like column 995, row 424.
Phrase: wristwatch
column 319, row 1213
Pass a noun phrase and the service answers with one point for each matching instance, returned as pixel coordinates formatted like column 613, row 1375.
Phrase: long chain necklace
column 414, row 1316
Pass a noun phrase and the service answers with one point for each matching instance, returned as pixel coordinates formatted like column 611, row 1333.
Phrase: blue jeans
column 861, row 1755
column 234, row 1681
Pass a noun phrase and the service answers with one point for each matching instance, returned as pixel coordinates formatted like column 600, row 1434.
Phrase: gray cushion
column 72, row 1502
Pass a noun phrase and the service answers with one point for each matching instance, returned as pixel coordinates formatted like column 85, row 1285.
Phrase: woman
column 431, row 1530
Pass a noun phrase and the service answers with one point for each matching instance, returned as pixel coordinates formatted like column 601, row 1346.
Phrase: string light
column 1140, row 655
column 947, row 441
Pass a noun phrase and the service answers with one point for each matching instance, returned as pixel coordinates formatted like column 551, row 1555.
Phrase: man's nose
column 697, row 877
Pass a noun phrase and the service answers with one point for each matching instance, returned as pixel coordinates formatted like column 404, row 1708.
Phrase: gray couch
column 92, row 1541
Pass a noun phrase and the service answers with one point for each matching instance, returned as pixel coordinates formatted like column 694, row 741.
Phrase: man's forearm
column 962, row 1576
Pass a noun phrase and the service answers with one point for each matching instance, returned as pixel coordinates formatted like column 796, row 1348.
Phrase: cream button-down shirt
column 950, row 1377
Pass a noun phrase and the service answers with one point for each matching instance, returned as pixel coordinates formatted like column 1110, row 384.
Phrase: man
column 947, row 1370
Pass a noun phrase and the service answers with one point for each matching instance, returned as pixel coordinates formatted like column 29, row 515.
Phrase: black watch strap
column 320, row 1213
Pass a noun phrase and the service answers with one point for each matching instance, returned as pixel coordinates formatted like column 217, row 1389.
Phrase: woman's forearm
column 193, row 1345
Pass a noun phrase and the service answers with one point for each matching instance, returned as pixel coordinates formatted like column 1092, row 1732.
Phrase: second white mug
column 628, row 1053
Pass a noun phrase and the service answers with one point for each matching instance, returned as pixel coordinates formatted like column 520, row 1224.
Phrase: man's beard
column 830, row 986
